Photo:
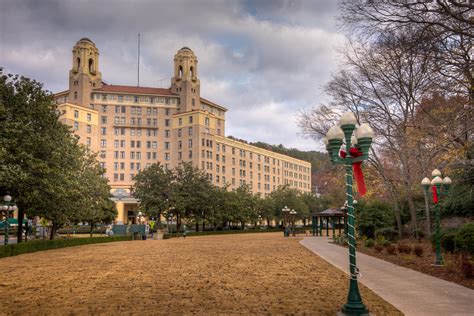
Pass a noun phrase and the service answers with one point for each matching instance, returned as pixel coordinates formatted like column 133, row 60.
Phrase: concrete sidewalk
column 412, row 292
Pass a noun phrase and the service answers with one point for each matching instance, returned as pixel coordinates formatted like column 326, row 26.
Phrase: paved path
column 412, row 292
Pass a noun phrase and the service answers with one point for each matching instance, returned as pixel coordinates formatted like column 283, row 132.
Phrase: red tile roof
column 131, row 89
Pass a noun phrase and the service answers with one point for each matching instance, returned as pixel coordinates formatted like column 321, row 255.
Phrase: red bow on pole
column 435, row 194
column 356, row 168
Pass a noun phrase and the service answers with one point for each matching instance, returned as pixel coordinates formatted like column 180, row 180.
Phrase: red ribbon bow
column 356, row 167
column 435, row 194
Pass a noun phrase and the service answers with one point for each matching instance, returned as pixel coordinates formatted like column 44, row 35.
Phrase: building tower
column 84, row 75
column 185, row 82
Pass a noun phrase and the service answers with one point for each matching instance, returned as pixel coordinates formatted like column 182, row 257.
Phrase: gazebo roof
column 330, row 212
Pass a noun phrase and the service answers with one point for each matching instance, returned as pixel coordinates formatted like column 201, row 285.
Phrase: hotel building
column 131, row 128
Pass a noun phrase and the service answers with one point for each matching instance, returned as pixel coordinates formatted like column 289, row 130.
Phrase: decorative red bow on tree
column 435, row 194
column 357, row 170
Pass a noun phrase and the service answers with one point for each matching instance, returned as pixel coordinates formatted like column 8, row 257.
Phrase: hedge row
column 223, row 232
column 39, row 245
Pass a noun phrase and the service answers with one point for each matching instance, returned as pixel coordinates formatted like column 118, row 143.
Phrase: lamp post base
column 352, row 313
column 437, row 264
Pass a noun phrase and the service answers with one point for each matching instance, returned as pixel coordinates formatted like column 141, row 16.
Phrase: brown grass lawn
column 230, row 274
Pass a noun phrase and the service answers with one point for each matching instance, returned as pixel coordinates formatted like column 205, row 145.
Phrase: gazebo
column 335, row 215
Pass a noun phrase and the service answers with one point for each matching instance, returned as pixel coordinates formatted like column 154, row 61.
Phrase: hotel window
column 167, row 145
column 148, row 144
column 102, row 154
column 122, row 120
column 180, row 121
column 89, row 129
column 167, row 156
column 132, row 143
column 104, row 97
column 152, row 100
column 223, row 158
column 122, row 177
column 180, row 144
column 116, row 144
column 116, row 165
column 155, row 122
column 135, row 99
column 190, row 143
column 206, row 121
column 190, row 154
column 223, row 180
column 139, row 144
column 76, row 126
column 148, row 122
column 154, row 155
column 223, row 148
column 89, row 117
column 167, row 112
column 154, row 145
column 122, row 143
column 132, row 155
column 117, row 109
column 116, row 177
column 133, row 110
column 180, row 156
column 138, row 166
column 155, row 111
column 122, row 131
column 88, row 141
column 233, row 151
column 102, row 165
column 76, row 114
column 122, row 165
column 167, row 133
column 122, row 155
column 116, row 154
column 103, row 119
column 148, row 111
column 155, row 132
column 167, row 122
column 139, row 132
column 104, row 108
column 139, row 110
column 120, row 98
column 223, row 169
column 132, row 165
column 75, row 95
column 139, row 121
column 148, row 155
column 179, row 132
column 132, row 132
column 190, row 120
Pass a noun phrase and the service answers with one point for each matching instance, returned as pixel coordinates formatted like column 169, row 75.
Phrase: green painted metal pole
column 354, row 305
column 439, row 257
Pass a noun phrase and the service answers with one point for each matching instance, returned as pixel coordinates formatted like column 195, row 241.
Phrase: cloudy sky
column 264, row 60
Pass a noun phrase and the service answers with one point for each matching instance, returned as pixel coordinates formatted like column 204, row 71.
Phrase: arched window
column 91, row 65
column 180, row 73
column 191, row 71
column 78, row 62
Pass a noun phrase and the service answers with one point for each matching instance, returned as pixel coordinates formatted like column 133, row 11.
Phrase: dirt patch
column 451, row 271
column 238, row 274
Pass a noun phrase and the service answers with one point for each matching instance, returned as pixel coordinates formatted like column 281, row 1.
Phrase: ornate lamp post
column 357, row 147
column 6, row 209
column 293, row 215
column 286, row 213
column 440, row 188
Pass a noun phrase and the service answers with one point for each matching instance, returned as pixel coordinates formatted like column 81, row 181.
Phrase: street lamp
column 170, row 222
column 357, row 145
column 286, row 213
column 293, row 215
column 437, row 184
column 6, row 209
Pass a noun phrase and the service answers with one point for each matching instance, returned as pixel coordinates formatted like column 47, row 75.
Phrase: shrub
column 369, row 243
column 378, row 247
column 391, row 250
column 418, row 250
column 464, row 239
column 166, row 236
column 467, row 267
column 386, row 243
column 39, row 245
column 404, row 248
column 421, row 233
column 446, row 239
column 389, row 233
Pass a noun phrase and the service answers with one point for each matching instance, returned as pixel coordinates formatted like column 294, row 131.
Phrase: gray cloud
column 264, row 60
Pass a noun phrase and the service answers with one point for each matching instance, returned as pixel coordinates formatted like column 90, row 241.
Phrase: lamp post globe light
column 6, row 209
column 440, row 187
column 286, row 213
column 359, row 140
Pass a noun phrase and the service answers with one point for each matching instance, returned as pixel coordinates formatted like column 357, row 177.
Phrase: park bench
column 302, row 232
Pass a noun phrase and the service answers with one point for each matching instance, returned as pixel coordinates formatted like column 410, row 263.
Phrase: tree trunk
column 428, row 216
column 268, row 223
column 411, row 206
column 203, row 225
column 21, row 215
column 53, row 231
column 92, row 229
column 197, row 226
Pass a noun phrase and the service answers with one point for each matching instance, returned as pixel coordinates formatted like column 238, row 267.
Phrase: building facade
column 133, row 127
